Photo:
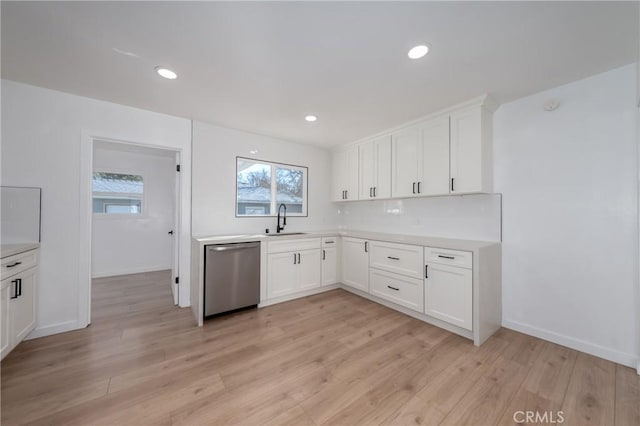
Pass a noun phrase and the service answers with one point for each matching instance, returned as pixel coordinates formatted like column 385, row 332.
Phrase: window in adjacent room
column 262, row 186
column 117, row 193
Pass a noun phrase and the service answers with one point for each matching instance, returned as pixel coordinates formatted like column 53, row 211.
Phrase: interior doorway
column 135, row 193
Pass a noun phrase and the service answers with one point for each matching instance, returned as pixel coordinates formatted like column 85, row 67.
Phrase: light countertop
column 13, row 249
column 438, row 242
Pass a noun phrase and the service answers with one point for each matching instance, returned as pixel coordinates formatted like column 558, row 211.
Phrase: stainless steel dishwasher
column 231, row 277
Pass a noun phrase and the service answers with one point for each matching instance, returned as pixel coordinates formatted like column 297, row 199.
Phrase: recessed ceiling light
column 166, row 73
column 418, row 52
column 311, row 118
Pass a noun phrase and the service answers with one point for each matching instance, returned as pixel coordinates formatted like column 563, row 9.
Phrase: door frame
column 182, row 199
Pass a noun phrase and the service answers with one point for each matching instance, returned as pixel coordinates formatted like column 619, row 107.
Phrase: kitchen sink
column 286, row 234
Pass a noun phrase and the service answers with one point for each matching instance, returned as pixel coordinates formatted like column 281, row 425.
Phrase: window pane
column 289, row 184
column 116, row 193
column 254, row 188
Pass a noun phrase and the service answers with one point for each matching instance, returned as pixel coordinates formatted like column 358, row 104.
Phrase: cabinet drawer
column 405, row 291
column 293, row 245
column 17, row 263
column 329, row 241
column 462, row 259
column 399, row 258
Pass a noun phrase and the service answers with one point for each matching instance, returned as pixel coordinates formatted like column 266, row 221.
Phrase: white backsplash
column 469, row 217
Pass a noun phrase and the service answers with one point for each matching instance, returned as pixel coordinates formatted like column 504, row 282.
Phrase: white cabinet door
column 375, row 169
column 467, row 151
column 23, row 308
column 355, row 263
column 329, row 265
column 339, row 175
column 5, row 326
column 406, row 160
column 308, row 274
column 448, row 294
column 345, row 175
column 281, row 274
column 434, row 179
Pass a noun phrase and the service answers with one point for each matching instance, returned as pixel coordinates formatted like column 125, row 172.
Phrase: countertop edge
column 7, row 250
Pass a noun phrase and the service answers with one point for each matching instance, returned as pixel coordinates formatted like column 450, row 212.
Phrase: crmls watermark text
column 552, row 417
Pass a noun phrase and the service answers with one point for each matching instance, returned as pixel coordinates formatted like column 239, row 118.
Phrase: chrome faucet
column 284, row 218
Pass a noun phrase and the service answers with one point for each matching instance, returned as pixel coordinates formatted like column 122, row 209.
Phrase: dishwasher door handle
column 239, row 246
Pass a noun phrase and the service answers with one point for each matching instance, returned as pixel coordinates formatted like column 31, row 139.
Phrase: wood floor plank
column 332, row 358
column 627, row 409
column 590, row 398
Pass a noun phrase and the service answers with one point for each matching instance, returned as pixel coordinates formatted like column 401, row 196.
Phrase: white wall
column 469, row 217
column 126, row 244
column 44, row 143
column 214, row 181
column 570, row 220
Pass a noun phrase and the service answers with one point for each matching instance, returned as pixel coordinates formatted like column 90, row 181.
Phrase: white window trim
column 274, row 204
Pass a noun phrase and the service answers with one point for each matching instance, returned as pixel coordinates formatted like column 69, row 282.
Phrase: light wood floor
column 333, row 358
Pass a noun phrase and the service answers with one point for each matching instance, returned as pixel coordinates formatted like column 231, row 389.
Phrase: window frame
column 274, row 202
column 143, row 197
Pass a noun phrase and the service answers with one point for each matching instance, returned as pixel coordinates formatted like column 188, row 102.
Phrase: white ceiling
column 262, row 66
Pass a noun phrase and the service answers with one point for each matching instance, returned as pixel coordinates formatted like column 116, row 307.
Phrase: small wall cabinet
column 18, row 299
column 345, row 174
column 375, row 169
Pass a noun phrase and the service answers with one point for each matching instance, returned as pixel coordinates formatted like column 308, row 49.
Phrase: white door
column 175, row 270
column 352, row 174
column 449, row 294
column 434, row 178
column 329, row 266
column 308, row 274
column 406, row 160
column 339, row 175
column 466, row 151
column 355, row 263
column 5, row 331
column 282, row 269
column 23, row 308
column 367, row 167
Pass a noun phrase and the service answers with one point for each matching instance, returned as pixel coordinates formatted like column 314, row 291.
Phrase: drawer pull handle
column 393, row 258
column 329, row 242
column 393, row 288
column 446, row 257
column 14, row 264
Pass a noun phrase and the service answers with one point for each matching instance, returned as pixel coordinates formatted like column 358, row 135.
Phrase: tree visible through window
column 263, row 186
column 116, row 193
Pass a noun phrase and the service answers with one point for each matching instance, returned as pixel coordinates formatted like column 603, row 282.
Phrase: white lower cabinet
column 329, row 265
column 403, row 290
column 18, row 299
column 291, row 272
column 449, row 294
column 355, row 263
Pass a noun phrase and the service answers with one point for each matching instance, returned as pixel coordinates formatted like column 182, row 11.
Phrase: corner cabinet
column 19, row 286
column 345, row 175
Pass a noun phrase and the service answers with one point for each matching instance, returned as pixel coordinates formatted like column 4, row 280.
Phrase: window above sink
column 261, row 186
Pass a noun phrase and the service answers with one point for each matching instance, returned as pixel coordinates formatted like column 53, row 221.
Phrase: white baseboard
column 630, row 360
column 129, row 271
column 60, row 327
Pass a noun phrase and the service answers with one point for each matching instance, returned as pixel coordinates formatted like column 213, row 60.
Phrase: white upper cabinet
column 375, row 168
column 420, row 159
column 471, row 153
column 345, row 174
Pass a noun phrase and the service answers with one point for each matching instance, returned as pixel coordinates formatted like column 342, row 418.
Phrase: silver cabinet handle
column 393, row 288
